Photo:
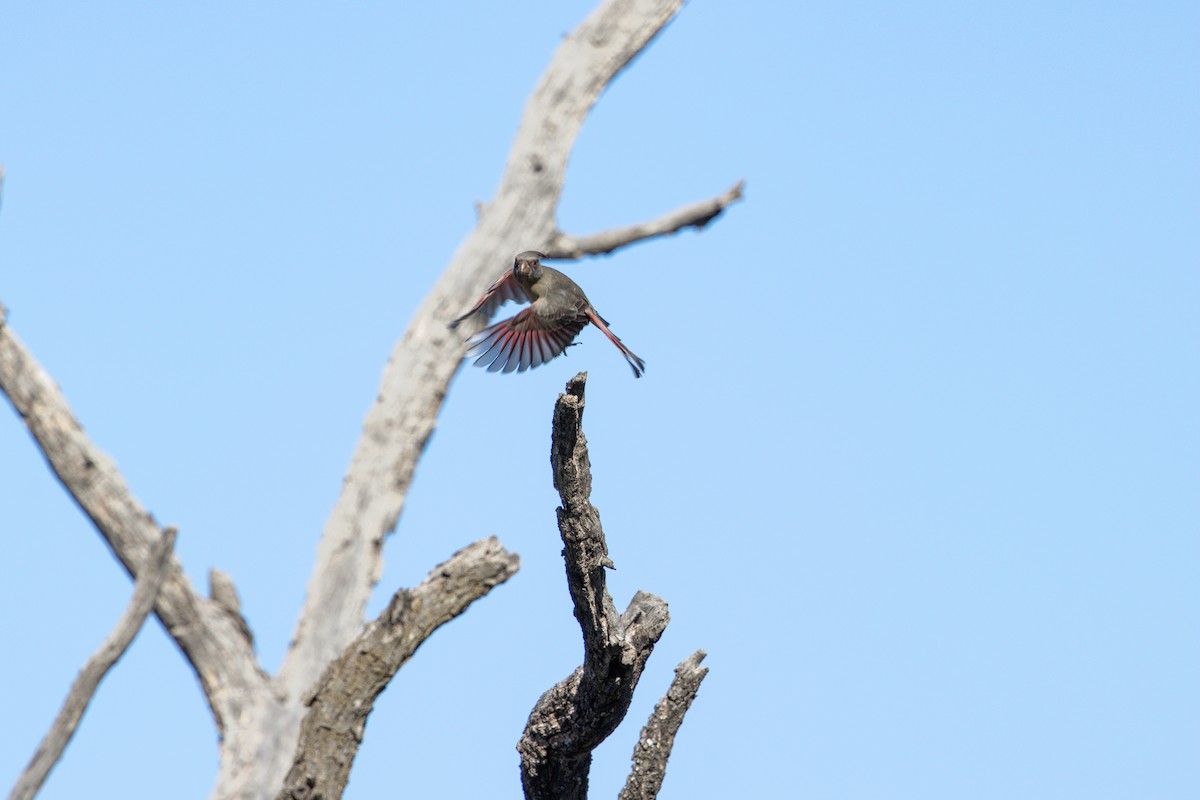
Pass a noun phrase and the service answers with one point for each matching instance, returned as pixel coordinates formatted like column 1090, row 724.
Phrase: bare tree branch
column 425, row 360
column 259, row 718
column 696, row 215
column 149, row 581
column 427, row 357
column 208, row 637
column 653, row 748
column 579, row 712
column 340, row 703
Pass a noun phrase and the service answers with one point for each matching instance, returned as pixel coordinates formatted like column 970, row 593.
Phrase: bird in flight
column 558, row 310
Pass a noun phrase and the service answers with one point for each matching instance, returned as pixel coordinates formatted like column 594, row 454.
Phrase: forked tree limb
column 654, row 745
column 424, row 361
column 257, row 751
column 149, row 581
column 209, row 638
column 341, row 701
column 579, row 712
column 522, row 215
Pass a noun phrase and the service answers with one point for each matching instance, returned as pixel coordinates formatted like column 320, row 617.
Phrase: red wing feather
column 503, row 290
column 520, row 343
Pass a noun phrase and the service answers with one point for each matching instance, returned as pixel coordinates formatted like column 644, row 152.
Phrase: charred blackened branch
column 578, row 713
column 653, row 749
column 340, row 702
column 258, row 717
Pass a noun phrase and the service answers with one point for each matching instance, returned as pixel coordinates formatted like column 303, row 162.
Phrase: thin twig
column 696, row 215
column 150, row 580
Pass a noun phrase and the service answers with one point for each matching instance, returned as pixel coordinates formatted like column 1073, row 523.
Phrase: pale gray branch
column 259, row 719
column 149, row 581
column 344, row 697
column 579, row 712
column 427, row 357
column 208, row 637
column 222, row 592
column 653, row 748
column 696, row 215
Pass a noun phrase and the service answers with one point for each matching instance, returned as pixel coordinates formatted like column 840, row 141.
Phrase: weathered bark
column 209, row 637
column 416, row 380
column 259, row 717
column 654, row 745
column 344, row 697
column 579, row 712
column 521, row 216
column 149, row 582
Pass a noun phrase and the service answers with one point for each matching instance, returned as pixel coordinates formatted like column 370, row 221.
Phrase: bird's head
column 527, row 265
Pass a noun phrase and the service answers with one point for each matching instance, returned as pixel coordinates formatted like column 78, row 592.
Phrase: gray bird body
column 558, row 310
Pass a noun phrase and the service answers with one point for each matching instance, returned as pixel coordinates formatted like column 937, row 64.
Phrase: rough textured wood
column 654, row 745
column 338, row 707
column 257, row 717
column 50, row 750
column 417, row 377
column 522, row 215
column 578, row 713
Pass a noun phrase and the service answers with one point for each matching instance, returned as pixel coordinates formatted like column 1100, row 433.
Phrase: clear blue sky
column 915, row 458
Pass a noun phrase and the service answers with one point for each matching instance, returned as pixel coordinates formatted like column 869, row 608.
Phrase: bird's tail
column 636, row 363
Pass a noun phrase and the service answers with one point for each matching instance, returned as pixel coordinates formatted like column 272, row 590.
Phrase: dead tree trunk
column 259, row 716
column 580, row 711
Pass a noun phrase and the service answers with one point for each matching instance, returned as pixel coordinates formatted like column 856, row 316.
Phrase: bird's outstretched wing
column 504, row 289
column 522, row 342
